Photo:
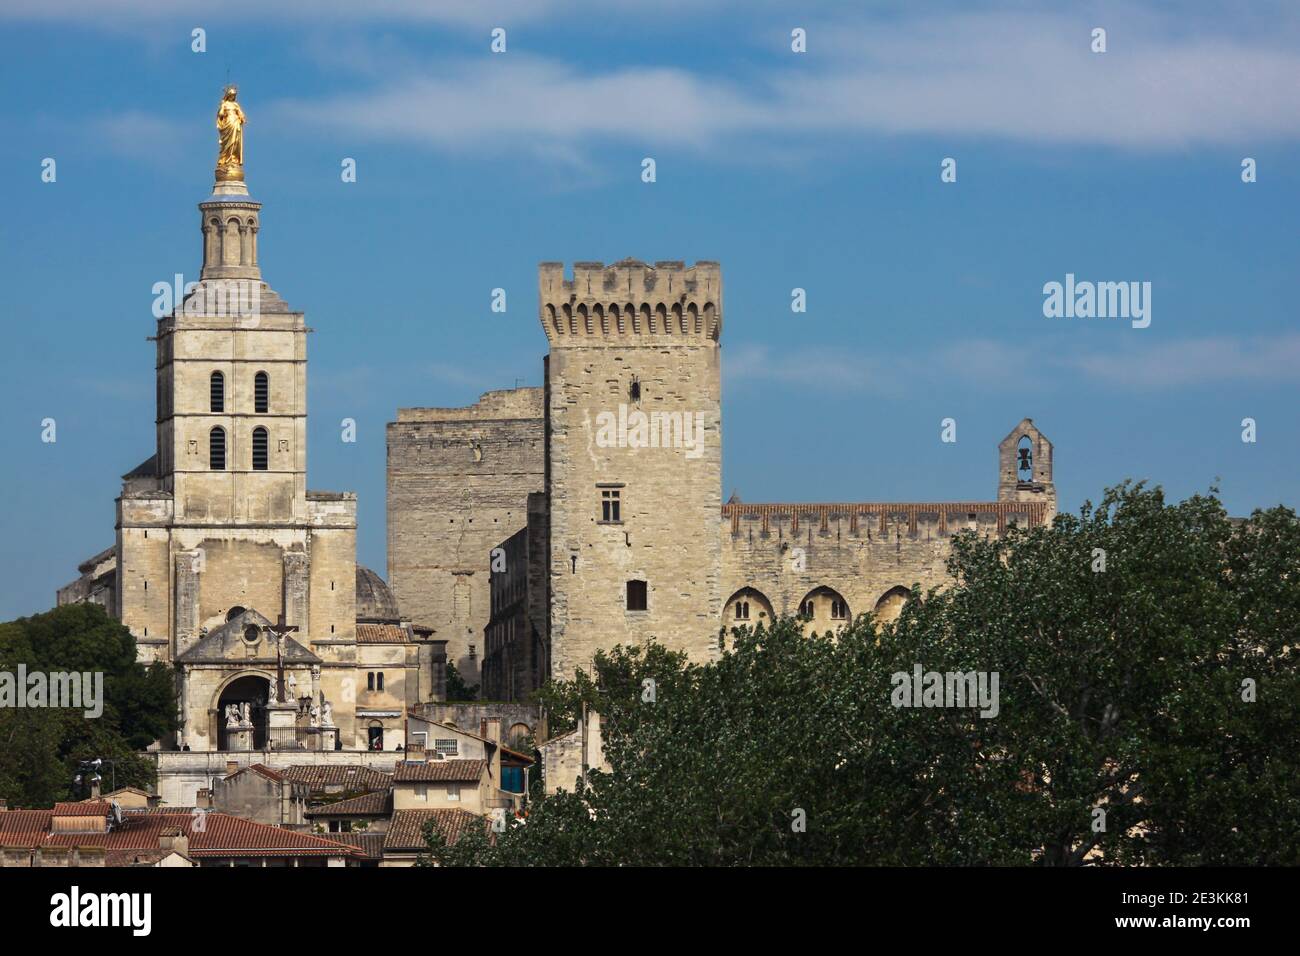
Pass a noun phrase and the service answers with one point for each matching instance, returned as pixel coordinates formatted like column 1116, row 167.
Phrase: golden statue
column 230, row 138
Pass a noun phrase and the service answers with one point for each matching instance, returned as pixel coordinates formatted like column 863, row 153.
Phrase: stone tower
column 1025, row 467
column 633, row 454
column 217, row 534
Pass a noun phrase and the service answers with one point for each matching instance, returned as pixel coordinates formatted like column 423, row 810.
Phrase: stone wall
column 458, row 485
column 633, row 412
column 775, row 557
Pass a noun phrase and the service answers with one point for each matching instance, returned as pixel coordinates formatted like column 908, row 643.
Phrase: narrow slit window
column 259, row 449
column 217, row 449
column 217, row 392
column 261, row 392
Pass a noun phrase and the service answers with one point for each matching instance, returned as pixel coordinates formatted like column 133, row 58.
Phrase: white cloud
column 1264, row 360
column 988, row 365
column 1011, row 75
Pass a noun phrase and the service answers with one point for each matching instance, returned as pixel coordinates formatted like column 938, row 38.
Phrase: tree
column 457, row 689
column 40, row 747
column 1121, row 638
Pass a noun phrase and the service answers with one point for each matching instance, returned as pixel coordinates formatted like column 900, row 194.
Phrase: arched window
column 370, row 680
column 261, row 392
column 890, row 606
column 217, row 392
column 824, row 608
column 1025, row 458
column 217, row 449
column 636, row 596
column 746, row 605
column 259, row 449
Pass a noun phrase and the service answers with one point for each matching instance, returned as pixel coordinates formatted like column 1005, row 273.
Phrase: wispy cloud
column 1264, row 360
column 990, row 366
column 1011, row 75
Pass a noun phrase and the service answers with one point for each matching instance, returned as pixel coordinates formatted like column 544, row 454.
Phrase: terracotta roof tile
column 382, row 634
column 376, row 803
column 83, row 808
column 350, row 776
column 371, row 845
column 221, row 836
column 407, row 829
column 440, row 771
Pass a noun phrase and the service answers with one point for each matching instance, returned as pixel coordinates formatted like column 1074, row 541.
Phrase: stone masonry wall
column 458, row 485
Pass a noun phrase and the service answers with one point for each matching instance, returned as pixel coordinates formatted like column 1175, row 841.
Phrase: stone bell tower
column 218, row 537
column 1025, row 467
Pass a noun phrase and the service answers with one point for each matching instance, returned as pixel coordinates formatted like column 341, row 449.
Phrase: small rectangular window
column 611, row 505
column 447, row 746
column 636, row 596
column 453, row 791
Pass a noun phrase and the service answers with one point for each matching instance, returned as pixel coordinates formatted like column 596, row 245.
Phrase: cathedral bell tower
column 219, row 542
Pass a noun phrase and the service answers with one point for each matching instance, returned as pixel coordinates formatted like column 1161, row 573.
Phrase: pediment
column 244, row 640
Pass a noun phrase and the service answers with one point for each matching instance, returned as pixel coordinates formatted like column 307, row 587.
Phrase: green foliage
column 1119, row 689
column 40, row 748
column 457, row 690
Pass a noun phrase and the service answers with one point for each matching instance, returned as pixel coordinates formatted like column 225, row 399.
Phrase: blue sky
column 817, row 170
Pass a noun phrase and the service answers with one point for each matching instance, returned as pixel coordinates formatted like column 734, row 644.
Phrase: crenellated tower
column 633, row 453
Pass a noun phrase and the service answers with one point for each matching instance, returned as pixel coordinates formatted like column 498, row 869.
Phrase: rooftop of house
column 143, row 833
column 440, row 771
column 406, row 832
column 378, row 803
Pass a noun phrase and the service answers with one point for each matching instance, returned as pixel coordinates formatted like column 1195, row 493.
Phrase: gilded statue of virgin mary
column 230, row 137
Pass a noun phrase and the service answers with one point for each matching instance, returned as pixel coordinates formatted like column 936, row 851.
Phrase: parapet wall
column 779, row 555
column 630, row 300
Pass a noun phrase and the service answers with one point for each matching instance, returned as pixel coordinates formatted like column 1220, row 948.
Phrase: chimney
column 203, row 798
column 492, row 731
column 232, row 766
column 174, row 840
column 94, row 788
column 4, row 804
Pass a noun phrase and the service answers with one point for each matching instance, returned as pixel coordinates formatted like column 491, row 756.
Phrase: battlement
column 935, row 519
column 630, row 300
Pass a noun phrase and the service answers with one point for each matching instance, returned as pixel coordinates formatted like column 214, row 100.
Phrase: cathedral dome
column 375, row 602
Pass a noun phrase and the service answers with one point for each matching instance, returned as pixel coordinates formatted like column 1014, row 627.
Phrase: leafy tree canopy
column 40, row 747
column 1147, row 663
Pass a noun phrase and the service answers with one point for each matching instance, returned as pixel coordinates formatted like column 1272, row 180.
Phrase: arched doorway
column 254, row 691
column 824, row 609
